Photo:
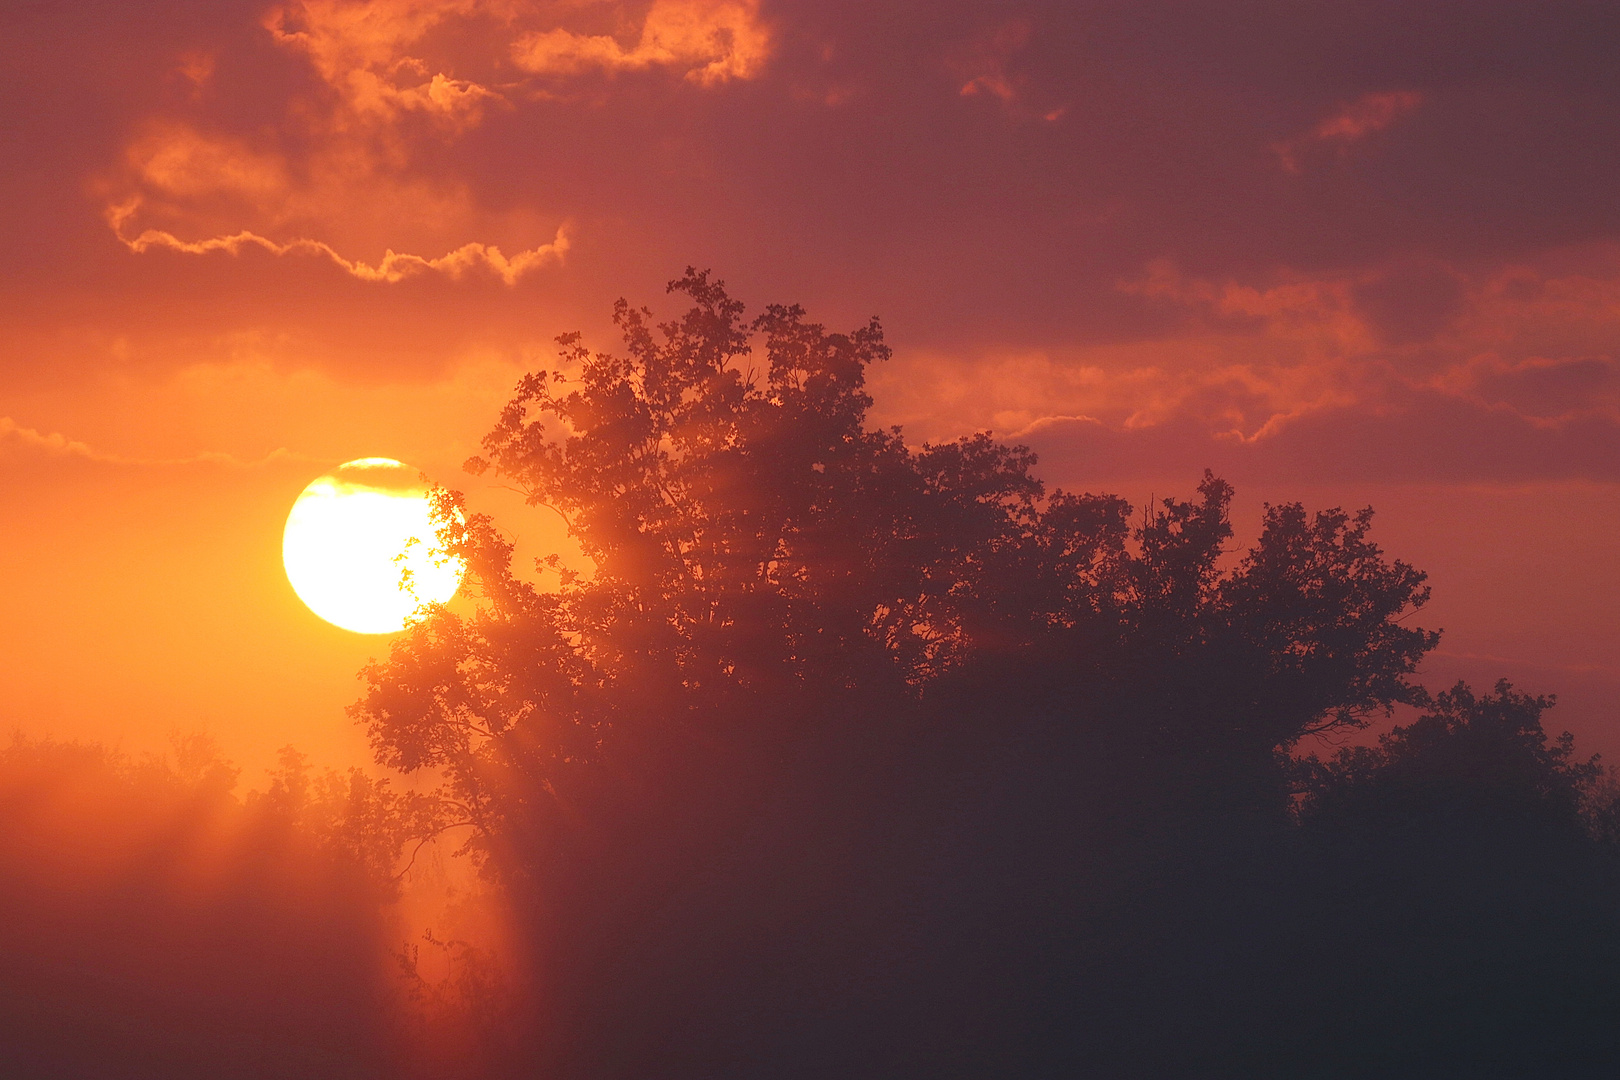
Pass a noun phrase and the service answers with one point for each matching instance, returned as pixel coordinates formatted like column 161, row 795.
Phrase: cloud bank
column 349, row 152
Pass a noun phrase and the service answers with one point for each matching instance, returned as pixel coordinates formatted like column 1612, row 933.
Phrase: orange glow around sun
column 360, row 547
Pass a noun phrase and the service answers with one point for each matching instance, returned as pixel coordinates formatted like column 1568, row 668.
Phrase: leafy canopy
column 768, row 570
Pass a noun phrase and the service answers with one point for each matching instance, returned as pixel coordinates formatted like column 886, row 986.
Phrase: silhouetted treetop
column 1468, row 757
column 764, row 563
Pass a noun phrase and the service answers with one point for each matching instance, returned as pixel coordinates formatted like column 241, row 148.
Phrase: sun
column 357, row 536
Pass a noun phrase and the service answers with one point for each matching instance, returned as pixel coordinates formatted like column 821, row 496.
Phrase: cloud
column 363, row 49
column 1501, row 376
column 1411, row 436
column 1351, row 123
column 1419, row 317
column 1316, row 313
column 1541, row 387
column 393, row 266
column 14, row 437
column 1365, row 115
column 360, row 51
column 340, row 168
column 984, row 63
column 20, row 442
column 710, row 41
column 177, row 161
column 195, row 69
column 199, row 192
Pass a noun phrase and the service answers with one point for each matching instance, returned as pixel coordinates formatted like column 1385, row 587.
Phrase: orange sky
column 1348, row 253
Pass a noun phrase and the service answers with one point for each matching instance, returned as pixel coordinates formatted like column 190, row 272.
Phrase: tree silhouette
column 753, row 542
column 152, row 924
column 844, row 757
column 813, row 665
column 1461, row 892
column 1468, row 757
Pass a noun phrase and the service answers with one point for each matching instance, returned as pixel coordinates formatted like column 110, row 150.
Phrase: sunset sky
column 1346, row 253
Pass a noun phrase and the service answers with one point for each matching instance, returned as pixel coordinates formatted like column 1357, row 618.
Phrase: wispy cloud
column 1503, row 376
column 1349, row 124
column 985, row 64
column 360, row 50
column 708, row 41
column 53, row 444
column 18, row 440
column 180, row 162
column 393, row 266
column 1367, row 114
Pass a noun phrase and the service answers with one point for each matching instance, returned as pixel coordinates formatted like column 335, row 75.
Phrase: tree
column 1460, row 883
column 804, row 635
column 152, row 924
column 1473, row 759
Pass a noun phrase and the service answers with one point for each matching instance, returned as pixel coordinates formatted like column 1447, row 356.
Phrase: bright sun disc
column 343, row 543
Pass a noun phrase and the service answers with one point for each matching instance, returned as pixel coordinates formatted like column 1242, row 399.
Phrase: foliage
column 1467, row 757
column 353, row 817
column 460, row 1022
column 154, row 925
column 821, row 696
column 761, row 559
column 844, row 757
column 1455, row 888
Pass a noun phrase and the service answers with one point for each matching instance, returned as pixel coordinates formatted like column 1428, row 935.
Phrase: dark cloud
column 1550, row 388
column 851, row 169
column 1411, row 301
